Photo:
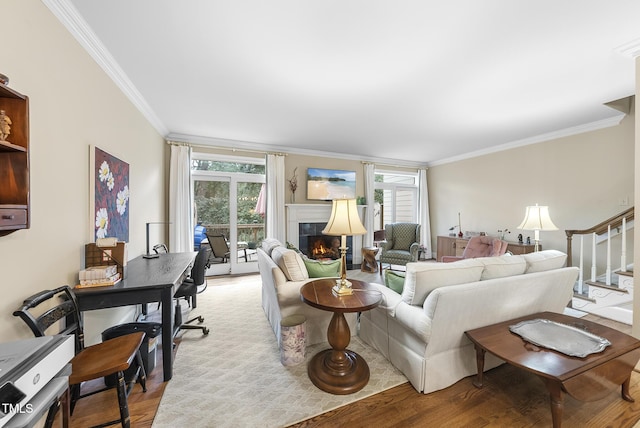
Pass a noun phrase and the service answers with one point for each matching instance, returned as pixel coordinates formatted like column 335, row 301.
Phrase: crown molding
column 575, row 130
column 236, row 145
column 68, row 15
column 630, row 49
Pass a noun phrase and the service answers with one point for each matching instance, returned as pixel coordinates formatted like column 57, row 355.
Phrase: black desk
column 148, row 280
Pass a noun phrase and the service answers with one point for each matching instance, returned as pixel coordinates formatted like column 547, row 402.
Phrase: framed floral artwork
column 110, row 196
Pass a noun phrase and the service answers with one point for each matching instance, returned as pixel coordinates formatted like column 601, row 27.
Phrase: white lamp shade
column 344, row 219
column 537, row 218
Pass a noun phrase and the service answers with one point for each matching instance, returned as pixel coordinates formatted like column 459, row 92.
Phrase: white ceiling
column 417, row 81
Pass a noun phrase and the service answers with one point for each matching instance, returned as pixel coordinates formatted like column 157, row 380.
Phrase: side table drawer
column 12, row 217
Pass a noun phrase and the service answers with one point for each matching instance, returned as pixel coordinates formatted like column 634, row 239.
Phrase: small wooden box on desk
column 454, row 246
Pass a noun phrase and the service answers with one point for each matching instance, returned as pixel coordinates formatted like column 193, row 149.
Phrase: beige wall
column 582, row 178
column 73, row 104
column 636, row 242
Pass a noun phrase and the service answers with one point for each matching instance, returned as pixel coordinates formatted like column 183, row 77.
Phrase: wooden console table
column 586, row 379
column 454, row 246
column 339, row 370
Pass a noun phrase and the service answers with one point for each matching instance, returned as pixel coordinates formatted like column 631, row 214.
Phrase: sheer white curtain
column 423, row 213
column 180, row 200
column 275, row 219
column 369, row 179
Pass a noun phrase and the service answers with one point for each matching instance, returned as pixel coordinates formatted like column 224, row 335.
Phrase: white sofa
column 421, row 331
column 282, row 277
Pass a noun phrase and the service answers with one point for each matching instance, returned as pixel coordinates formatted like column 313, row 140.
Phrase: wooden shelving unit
column 14, row 163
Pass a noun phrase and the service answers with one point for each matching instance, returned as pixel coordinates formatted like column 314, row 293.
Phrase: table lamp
column 149, row 254
column 344, row 221
column 537, row 218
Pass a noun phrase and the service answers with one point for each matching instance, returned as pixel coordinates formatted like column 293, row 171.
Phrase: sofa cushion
column 322, row 269
column 545, row 260
column 269, row 244
column 502, row 266
column 394, row 281
column 290, row 263
column 422, row 278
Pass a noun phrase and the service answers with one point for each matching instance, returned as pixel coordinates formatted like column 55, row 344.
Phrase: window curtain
column 275, row 217
column 423, row 213
column 369, row 192
column 180, row 200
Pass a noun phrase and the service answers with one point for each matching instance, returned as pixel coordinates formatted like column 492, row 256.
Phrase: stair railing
column 617, row 221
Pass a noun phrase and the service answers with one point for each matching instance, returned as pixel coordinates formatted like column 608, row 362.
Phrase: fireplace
column 317, row 246
column 305, row 221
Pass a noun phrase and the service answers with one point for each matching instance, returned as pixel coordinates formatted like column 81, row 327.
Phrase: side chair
column 401, row 245
column 194, row 284
column 59, row 314
column 219, row 247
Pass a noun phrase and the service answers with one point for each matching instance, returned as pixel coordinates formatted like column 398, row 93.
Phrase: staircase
column 609, row 294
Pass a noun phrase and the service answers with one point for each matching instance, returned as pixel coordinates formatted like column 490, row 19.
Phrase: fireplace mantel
column 317, row 213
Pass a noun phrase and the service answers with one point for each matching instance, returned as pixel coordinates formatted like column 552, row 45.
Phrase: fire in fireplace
column 324, row 247
column 315, row 245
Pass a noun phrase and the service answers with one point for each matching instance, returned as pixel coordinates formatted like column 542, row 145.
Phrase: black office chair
column 60, row 314
column 160, row 249
column 196, row 283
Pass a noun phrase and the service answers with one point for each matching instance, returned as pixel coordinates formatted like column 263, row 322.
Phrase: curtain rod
column 232, row 149
column 417, row 168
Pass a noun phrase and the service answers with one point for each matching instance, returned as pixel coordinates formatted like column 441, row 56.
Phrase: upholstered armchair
column 401, row 245
column 480, row 246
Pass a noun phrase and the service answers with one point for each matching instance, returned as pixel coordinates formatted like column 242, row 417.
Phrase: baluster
column 623, row 253
column 593, row 259
column 608, row 273
column 581, row 275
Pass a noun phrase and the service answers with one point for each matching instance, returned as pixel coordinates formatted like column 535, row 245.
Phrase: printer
column 33, row 374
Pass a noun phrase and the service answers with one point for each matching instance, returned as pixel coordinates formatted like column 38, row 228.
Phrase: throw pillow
column 322, row 269
column 290, row 263
column 545, row 260
column 394, row 281
column 502, row 266
column 422, row 278
column 269, row 244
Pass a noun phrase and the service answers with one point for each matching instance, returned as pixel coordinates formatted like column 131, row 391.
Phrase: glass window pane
column 212, row 206
column 250, row 221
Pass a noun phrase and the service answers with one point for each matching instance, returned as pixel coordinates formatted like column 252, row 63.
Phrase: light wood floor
column 510, row 398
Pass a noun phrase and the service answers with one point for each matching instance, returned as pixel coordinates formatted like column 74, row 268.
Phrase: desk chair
column 160, row 249
column 196, row 283
column 60, row 313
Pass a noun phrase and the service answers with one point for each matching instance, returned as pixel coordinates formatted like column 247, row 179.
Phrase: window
column 396, row 195
column 226, row 193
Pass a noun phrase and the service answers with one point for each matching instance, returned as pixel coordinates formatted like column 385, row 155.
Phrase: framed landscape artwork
column 110, row 196
column 329, row 184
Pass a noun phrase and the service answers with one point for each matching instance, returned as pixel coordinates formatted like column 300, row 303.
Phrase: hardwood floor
column 510, row 398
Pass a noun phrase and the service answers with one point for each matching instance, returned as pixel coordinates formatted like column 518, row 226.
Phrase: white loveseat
column 283, row 273
column 421, row 331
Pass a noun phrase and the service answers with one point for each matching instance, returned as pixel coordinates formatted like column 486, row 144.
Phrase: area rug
column 234, row 378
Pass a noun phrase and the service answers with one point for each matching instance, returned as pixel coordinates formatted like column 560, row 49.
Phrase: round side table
column 339, row 370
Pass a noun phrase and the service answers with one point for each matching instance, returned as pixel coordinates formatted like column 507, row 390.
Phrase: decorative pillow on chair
column 322, row 269
column 394, row 281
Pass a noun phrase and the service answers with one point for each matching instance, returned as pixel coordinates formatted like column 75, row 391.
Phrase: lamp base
column 342, row 287
column 151, row 256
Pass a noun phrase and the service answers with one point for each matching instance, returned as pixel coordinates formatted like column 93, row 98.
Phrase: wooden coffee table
column 339, row 370
column 586, row 379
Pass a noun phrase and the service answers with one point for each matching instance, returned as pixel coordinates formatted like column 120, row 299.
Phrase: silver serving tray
column 560, row 337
